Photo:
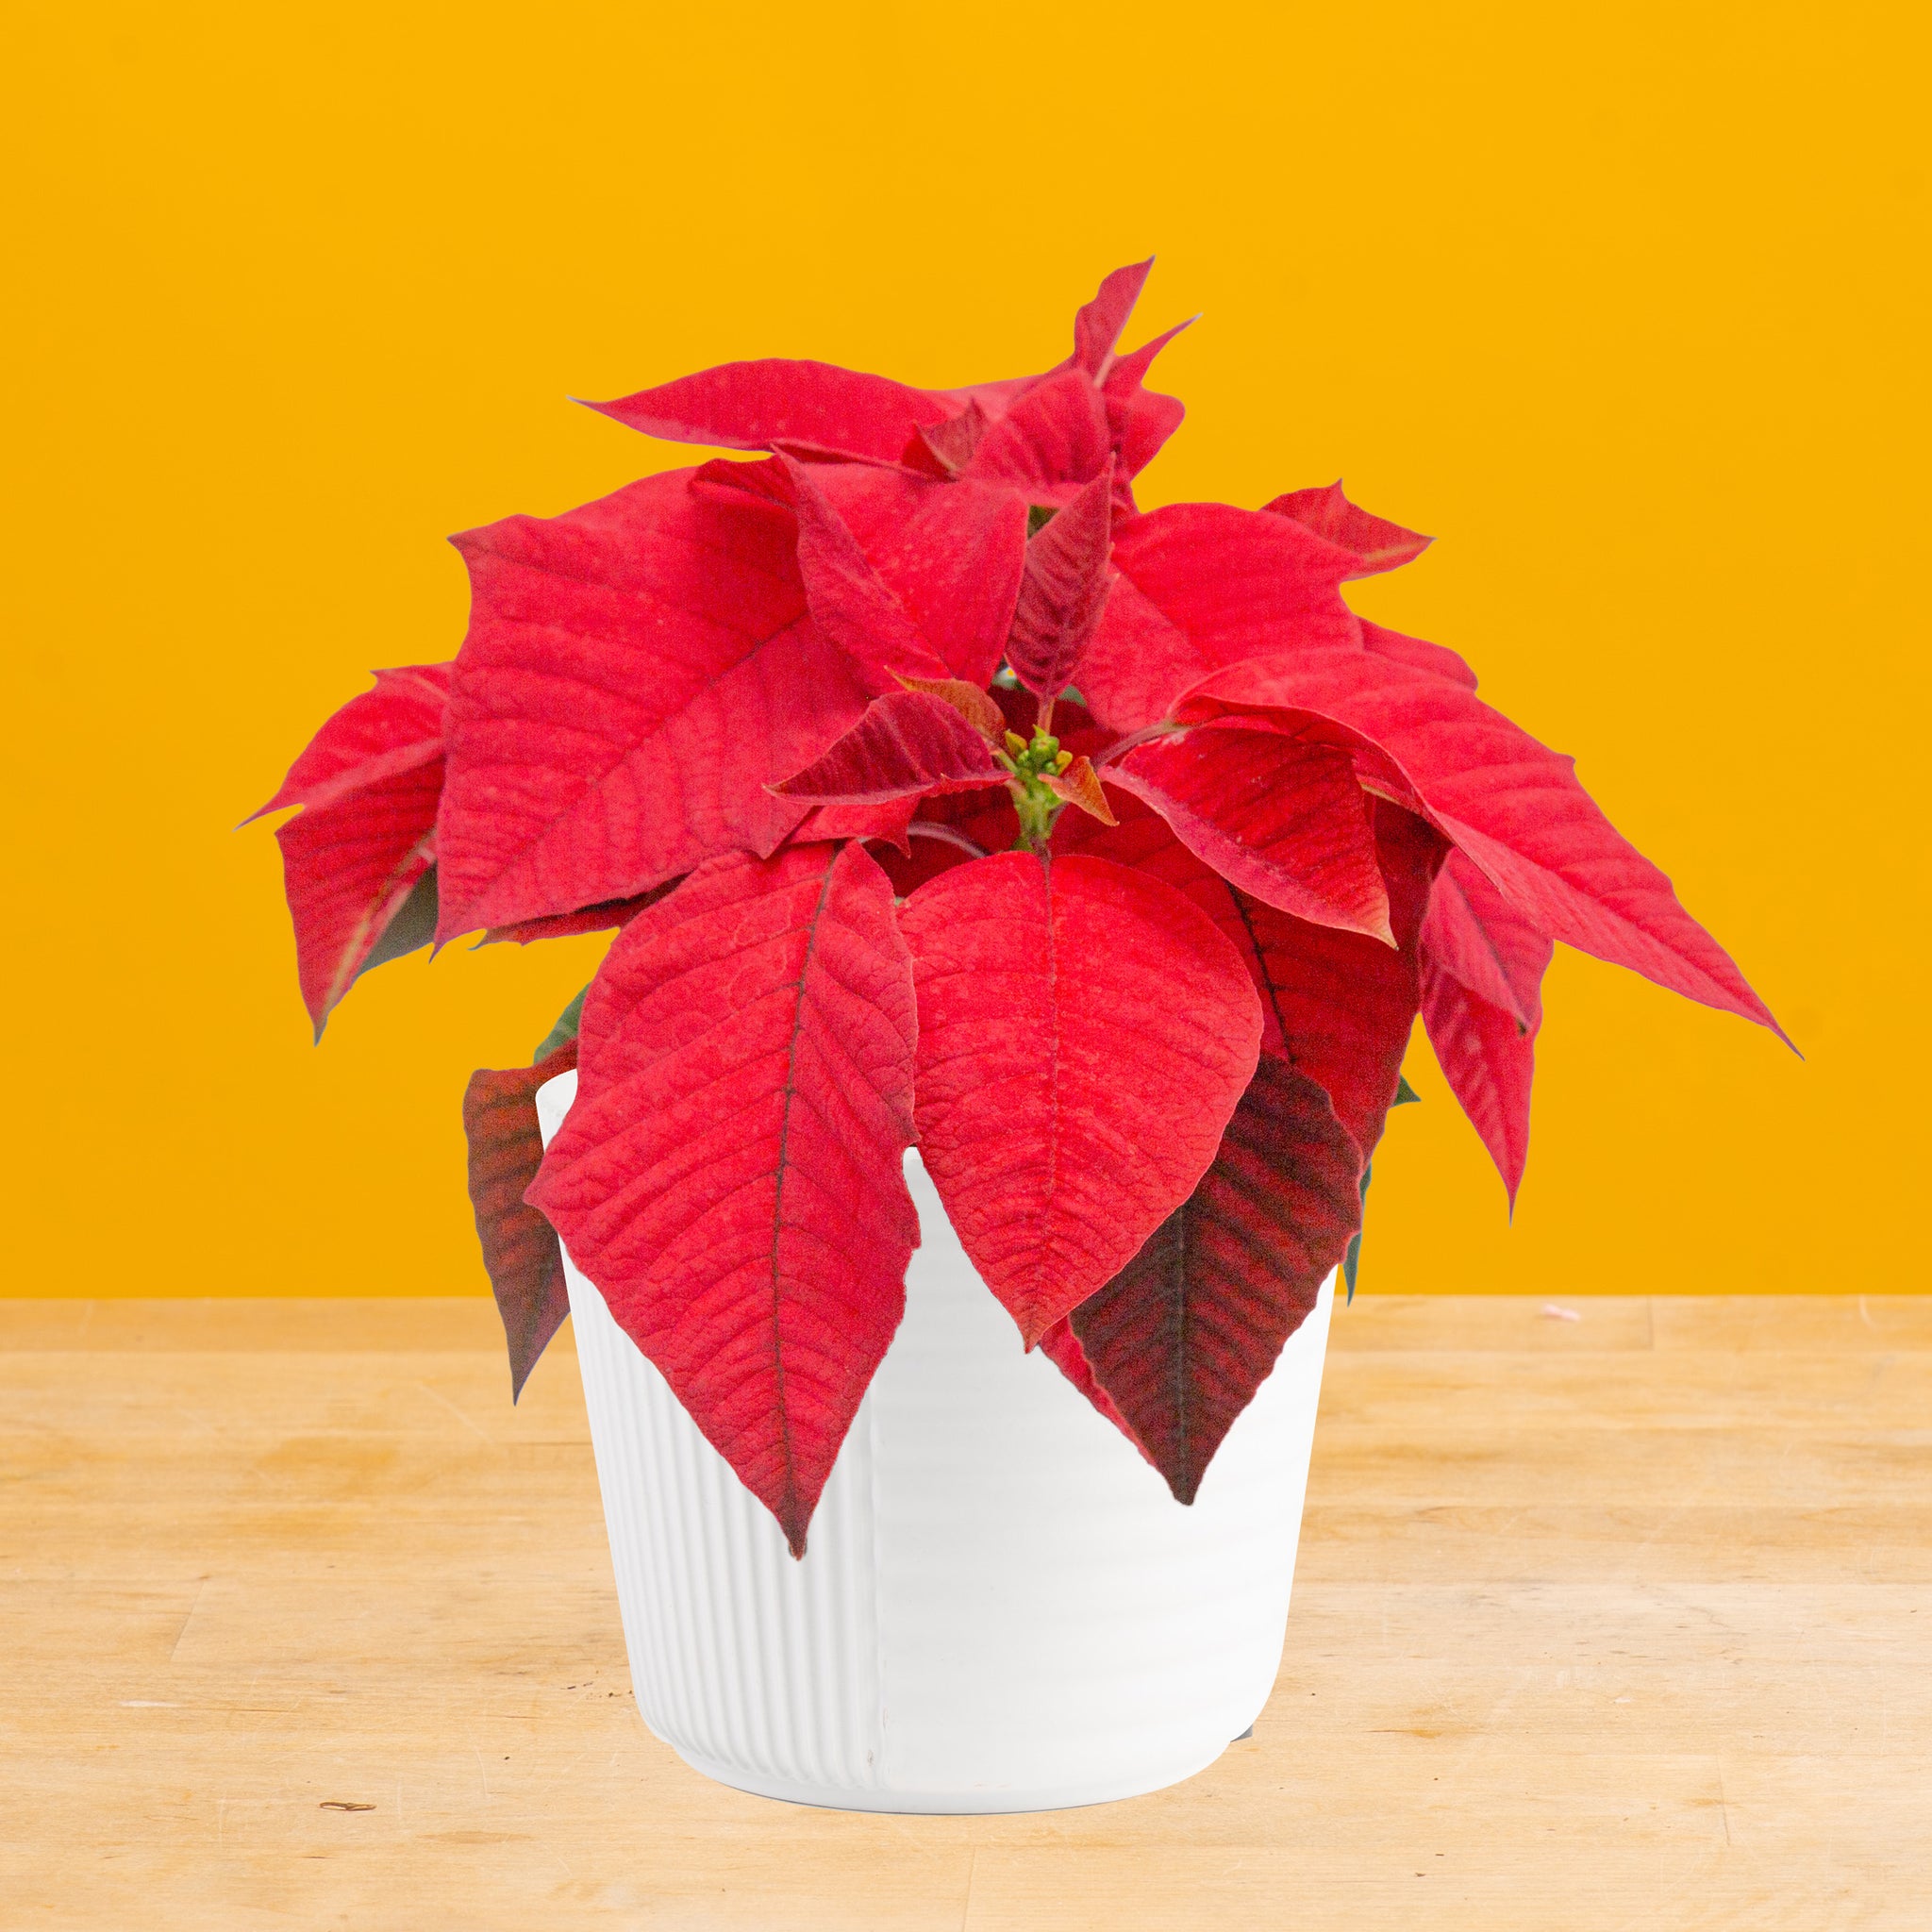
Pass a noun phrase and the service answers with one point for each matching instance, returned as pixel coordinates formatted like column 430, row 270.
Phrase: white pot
column 1001, row 1607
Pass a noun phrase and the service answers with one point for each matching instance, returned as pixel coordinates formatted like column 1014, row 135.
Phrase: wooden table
column 1614, row 1618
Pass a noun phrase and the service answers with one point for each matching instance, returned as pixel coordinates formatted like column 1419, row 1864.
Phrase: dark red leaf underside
column 1063, row 591
column 519, row 1249
column 1204, row 586
column 1282, row 816
column 1083, row 1034
column 1061, row 1347
column 1185, row 1334
column 635, row 675
column 1375, row 544
column 348, row 869
column 774, row 403
column 1516, row 809
column 731, row 1173
column 906, row 745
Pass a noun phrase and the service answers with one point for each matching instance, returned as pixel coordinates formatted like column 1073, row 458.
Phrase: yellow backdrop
column 1626, row 304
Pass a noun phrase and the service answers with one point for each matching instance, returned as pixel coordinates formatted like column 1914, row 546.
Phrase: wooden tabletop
column 1611, row 1613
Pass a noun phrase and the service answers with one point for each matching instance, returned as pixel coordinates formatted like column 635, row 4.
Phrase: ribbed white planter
column 1001, row 1607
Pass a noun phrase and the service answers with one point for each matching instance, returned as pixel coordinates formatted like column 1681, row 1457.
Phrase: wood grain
column 1615, row 1622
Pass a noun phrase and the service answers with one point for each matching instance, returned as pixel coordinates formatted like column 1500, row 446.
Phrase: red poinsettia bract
column 942, row 797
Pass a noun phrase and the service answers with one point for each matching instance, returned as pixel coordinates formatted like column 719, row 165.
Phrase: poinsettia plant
column 942, row 797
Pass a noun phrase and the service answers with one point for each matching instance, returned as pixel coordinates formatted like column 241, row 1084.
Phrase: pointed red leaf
column 891, row 823
column 1139, row 420
column 1473, row 933
column 1187, row 1332
column 1488, row 1061
column 1281, row 816
column 906, row 745
column 1063, row 591
column 1051, row 440
column 950, row 552
column 636, row 672
column 1204, row 586
column 1437, row 658
column 520, row 1248
column 848, row 601
column 1375, row 544
column 606, row 916
column 731, row 1173
column 1061, row 1347
column 1516, row 809
column 1097, row 327
column 379, row 734
column 1336, row 1005
column 1083, row 1034
column 777, row 404
column 1482, row 969
column 350, row 869
column 951, row 443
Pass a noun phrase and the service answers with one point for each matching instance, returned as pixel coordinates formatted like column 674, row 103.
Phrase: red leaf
column 730, row 1175
column 1338, row 1005
column 1374, row 542
column 1083, row 1034
column 360, row 852
column 951, row 443
column 381, row 734
column 1063, row 591
column 1418, row 652
column 906, row 745
column 1477, row 935
column 1482, row 969
column 889, row 823
column 1516, row 809
column 848, row 599
column 1098, row 324
column 602, row 917
column 1489, row 1063
column 951, row 554
column 776, row 404
column 1139, row 420
column 1282, row 816
column 979, row 708
column 349, row 869
column 519, row 1247
column 1061, row 1347
column 1050, row 442
column 1204, row 586
column 636, row 672
column 1187, row 1332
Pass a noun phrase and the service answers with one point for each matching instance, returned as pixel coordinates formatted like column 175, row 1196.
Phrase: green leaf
column 1405, row 1095
column 411, row 929
column 564, row 1031
column 1038, row 517
column 1353, row 1259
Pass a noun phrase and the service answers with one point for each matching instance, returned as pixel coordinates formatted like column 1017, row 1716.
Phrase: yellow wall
column 1626, row 304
